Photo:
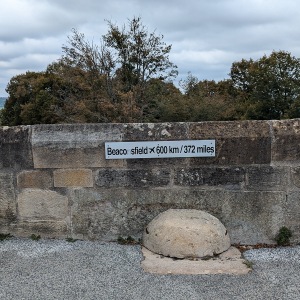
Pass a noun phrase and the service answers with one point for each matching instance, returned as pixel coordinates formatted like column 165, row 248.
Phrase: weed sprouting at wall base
column 283, row 236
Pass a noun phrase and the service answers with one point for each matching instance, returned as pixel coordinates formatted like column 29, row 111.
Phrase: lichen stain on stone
column 138, row 126
column 165, row 132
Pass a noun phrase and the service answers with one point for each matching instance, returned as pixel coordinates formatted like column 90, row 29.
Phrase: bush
column 283, row 236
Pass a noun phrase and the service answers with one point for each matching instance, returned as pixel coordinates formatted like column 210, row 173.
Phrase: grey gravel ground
column 56, row 269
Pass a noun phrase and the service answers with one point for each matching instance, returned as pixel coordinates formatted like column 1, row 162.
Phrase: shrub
column 283, row 236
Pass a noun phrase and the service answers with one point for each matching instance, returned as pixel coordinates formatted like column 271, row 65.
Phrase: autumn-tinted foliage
column 127, row 78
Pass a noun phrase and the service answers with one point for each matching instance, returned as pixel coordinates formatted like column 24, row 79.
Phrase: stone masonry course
column 56, row 181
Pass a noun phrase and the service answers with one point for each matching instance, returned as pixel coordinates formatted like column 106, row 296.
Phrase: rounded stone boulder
column 186, row 233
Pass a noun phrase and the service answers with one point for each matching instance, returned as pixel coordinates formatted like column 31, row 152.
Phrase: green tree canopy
column 269, row 87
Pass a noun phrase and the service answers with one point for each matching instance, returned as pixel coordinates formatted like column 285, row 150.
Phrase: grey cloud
column 206, row 35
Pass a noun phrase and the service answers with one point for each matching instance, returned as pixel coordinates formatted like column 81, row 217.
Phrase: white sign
column 160, row 149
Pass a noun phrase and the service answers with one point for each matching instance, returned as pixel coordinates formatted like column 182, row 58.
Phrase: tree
column 95, row 83
column 268, row 87
column 189, row 85
column 164, row 102
column 22, row 90
column 128, row 58
column 207, row 100
column 138, row 55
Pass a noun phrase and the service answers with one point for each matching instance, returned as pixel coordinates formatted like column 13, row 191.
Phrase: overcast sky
column 207, row 36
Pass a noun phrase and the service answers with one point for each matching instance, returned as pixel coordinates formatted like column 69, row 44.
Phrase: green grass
column 35, row 237
column 127, row 241
column 71, row 240
column 4, row 236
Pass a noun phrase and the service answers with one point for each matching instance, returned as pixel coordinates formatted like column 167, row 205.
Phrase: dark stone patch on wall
column 267, row 178
column 212, row 176
column 237, row 143
column 15, row 148
column 138, row 178
column 8, row 208
column 286, row 144
column 239, row 151
column 148, row 163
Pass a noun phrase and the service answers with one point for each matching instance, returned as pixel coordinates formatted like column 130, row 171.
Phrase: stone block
column 15, row 147
column 34, row 204
column 267, row 178
column 295, row 176
column 155, row 131
column 73, row 177
column 74, row 145
column 253, row 217
column 229, row 263
column 98, row 214
column 45, row 228
column 36, row 179
column 149, row 163
column 286, row 141
column 292, row 215
column 138, row 178
column 8, row 211
column 237, row 143
column 230, row 177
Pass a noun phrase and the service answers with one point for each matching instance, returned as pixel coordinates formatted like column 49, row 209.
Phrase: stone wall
column 56, row 182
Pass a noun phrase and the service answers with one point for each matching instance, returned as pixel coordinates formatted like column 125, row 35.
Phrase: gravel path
column 56, row 269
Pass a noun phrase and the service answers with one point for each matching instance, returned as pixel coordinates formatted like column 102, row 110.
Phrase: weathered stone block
column 148, row 163
column 295, row 176
column 237, row 143
column 292, row 215
column 231, row 177
column 132, row 178
column 97, row 215
column 15, row 147
column 38, row 179
column 155, row 131
column 7, row 198
column 74, row 145
column 286, row 141
column 73, row 177
column 45, row 228
column 34, row 204
column 253, row 217
column 267, row 178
